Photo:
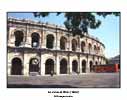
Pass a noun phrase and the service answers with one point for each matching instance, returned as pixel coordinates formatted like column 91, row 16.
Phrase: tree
column 79, row 22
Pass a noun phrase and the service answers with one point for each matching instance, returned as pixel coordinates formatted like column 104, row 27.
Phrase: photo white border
column 63, row 5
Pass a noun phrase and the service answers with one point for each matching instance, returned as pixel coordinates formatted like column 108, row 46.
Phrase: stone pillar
column 26, row 69
column 68, row 44
column 79, row 45
column 27, row 37
column 9, row 69
column 28, row 41
column 57, row 65
column 43, row 44
column 87, row 66
column 70, row 63
column 42, row 39
column 42, row 67
column 26, row 65
column 45, row 33
column 70, row 49
column 57, row 41
column 80, row 65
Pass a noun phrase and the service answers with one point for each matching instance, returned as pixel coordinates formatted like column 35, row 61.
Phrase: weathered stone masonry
column 41, row 48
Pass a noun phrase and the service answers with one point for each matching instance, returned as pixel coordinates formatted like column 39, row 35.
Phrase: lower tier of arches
column 48, row 64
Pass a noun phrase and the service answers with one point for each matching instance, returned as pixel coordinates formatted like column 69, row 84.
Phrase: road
column 89, row 80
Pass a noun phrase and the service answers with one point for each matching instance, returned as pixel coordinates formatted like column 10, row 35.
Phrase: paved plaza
column 89, row 80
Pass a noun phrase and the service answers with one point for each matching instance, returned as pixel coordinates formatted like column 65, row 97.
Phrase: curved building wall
column 45, row 48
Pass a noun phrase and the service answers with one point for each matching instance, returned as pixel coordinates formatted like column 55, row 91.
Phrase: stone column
column 79, row 45
column 57, row 65
column 27, row 37
column 87, row 66
column 80, row 65
column 70, row 49
column 42, row 64
column 26, row 65
column 9, row 69
column 70, row 63
column 28, row 41
column 42, row 37
column 43, row 45
column 57, row 41
column 68, row 44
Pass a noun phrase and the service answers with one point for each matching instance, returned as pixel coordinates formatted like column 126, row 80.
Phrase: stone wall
column 33, row 43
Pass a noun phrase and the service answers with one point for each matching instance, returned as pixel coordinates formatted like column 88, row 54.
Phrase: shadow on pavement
column 38, row 86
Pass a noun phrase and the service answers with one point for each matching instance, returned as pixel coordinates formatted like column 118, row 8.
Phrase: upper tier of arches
column 57, row 39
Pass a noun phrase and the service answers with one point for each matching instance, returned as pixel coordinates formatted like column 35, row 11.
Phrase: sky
column 108, row 32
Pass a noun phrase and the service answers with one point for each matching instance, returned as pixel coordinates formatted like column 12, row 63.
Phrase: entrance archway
column 34, row 65
column 91, row 66
column 16, row 66
column 83, row 66
column 35, row 39
column 75, row 66
column 18, row 37
column 63, row 66
column 49, row 66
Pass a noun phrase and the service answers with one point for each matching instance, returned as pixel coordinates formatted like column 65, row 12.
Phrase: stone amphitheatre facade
column 36, row 48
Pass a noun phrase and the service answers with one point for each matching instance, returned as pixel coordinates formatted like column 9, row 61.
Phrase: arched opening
column 16, row 66
column 35, row 39
column 49, row 66
column 95, row 48
column 63, row 42
column 91, row 66
column 96, row 63
column 98, row 49
column 50, row 41
column 34, row 65
column 75, row 66
column 63, row 66
column 74, row 45
column 83, row 66
column 18, row 38
column 82, row 46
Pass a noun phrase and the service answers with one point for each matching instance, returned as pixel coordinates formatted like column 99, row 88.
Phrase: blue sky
column 108, row 32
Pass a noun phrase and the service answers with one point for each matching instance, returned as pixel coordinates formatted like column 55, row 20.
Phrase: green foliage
column 41, row 14
column 104, row 14
column 79, row 22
